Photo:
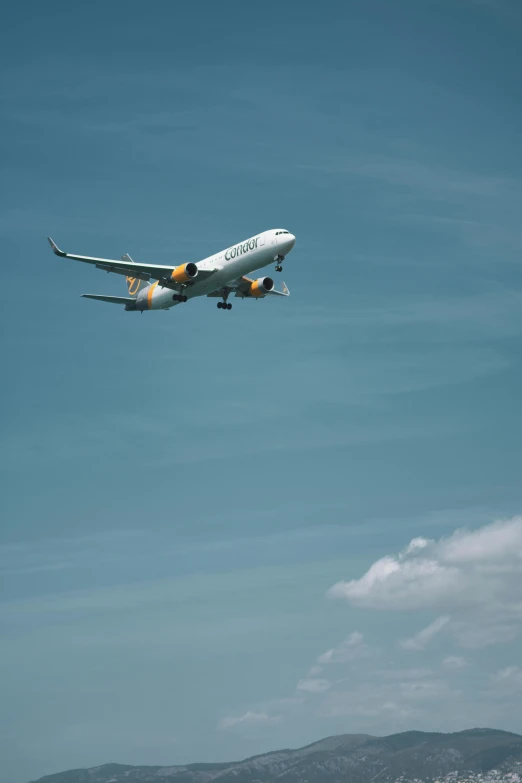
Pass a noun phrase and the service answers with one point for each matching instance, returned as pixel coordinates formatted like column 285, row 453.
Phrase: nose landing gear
column 279, row 264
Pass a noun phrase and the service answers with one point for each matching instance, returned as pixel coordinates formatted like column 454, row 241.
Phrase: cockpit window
column 281, row 232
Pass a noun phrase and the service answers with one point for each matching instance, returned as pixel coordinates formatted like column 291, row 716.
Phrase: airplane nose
column 289, row 242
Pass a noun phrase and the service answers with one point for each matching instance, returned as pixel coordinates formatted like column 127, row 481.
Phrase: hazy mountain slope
column 350, row 758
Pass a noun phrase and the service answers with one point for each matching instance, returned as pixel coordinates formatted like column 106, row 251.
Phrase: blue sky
column 207, row 519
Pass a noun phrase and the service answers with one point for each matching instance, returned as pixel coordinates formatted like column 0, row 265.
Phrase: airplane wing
column 129, row 268
column 284, row 290
column 242, row 288
column 121, row 300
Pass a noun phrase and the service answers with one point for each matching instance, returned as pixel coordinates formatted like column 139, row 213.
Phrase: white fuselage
column 229, row 265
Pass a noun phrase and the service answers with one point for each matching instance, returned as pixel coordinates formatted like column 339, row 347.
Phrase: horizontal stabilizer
column 121, row 300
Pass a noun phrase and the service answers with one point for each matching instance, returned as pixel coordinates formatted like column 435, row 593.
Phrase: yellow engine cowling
column 184, row 273
column 261, row 286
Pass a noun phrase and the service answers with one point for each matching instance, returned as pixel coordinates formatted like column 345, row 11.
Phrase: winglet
column 55, row 248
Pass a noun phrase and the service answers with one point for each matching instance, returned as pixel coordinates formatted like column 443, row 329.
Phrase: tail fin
column 133, row 283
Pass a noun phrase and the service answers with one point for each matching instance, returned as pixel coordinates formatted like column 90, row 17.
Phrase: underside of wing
column 121, row 300
column 168, row 276
column 246, row 288
column 283, row 292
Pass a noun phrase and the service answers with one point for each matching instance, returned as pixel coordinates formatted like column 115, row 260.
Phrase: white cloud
column 454, row 662
column 249, row 719
column 403, row 582
column 311, row 685
column 417, row 543
column 474, row 574
column 493, row 543
column 471, row 579
column 349, row 650
column 424, row 637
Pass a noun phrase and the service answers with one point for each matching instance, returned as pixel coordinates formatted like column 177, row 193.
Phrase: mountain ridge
column 478, row 754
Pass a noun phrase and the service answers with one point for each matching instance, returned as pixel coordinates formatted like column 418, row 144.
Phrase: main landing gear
column 224, row 305
column 279, row 264
column 179, row 297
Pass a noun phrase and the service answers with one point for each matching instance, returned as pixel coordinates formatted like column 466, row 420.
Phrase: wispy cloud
column 426, row 179
column 509, row 673
column 421, row 640
column 60, row 554
column 248, row 719
column 313, row 685
column 349, row 650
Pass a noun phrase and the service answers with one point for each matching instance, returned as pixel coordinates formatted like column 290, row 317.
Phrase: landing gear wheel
column 229, row 306
column 279, row 268
column 184, row 298
column 220, row 305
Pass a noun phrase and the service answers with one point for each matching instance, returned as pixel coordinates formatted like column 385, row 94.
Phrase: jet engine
column 184, row 273
column 261, row 286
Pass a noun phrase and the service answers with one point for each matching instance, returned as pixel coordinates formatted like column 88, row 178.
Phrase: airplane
column 219, row 275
